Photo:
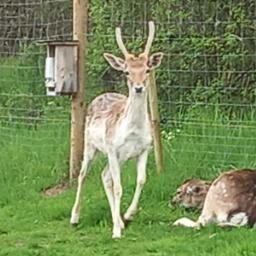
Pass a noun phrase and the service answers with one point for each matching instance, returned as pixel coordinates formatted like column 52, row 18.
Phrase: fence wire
column 206, row 83
column 29, row 120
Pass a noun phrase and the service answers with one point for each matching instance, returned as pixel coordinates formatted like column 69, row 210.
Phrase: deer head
column 136, row 68
column 191, row 193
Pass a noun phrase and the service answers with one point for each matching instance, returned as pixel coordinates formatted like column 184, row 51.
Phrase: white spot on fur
column 223, row 186
column 189, row 190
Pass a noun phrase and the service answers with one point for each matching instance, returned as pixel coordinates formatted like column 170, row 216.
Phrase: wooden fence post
column 78, row 100
column 155, row 119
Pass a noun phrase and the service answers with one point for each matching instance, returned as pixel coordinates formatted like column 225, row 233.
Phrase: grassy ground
column 31, row 224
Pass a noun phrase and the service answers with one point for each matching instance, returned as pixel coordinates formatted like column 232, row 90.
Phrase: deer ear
column 115, row 62
column 155, row 59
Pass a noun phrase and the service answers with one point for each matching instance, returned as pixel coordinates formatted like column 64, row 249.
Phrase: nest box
column 61, row 68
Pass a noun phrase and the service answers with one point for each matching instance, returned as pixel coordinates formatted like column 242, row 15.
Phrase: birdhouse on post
column 61, row 68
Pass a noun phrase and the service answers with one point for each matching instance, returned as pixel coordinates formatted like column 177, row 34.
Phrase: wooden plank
column 78, row 101
column 57, row 43
column 155, row 119
column 66, row 69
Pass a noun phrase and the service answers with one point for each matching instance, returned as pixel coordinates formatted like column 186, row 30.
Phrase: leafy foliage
column 209, row 52
column 209, row 49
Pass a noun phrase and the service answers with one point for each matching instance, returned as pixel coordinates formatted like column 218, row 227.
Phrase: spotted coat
column 230, row 201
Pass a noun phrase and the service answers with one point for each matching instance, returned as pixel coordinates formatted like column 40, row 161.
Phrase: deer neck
column 137, row 109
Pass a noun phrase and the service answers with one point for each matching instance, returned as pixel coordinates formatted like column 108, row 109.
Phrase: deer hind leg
column 109, row 190
column 89, row 153
column 117, row 192
column 238, row 219
column 141, row 179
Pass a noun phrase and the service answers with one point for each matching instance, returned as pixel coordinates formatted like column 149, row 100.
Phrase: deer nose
column 138, row 89
column 173, row 202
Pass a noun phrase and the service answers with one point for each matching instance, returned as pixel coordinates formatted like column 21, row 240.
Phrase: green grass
column 31, row 224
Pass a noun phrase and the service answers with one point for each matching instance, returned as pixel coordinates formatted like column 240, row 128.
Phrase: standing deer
column 120, row 127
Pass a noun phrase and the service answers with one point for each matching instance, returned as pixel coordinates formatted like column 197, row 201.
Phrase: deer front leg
column 109, row 190
column 141, row 179
column 186, row 222
column 117, row 189
column 205, row 218
column 88, row 156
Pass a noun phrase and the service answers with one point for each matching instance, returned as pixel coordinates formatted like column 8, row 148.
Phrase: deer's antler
column 120, row 42
column 151, row 33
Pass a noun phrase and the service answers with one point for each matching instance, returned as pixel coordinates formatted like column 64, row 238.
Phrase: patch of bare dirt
column 56, row 189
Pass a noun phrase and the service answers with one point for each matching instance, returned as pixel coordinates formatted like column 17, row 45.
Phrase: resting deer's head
column 192, row 193
column 136, row 68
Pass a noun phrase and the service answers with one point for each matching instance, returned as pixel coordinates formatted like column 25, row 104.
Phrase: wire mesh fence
column 206, row 83
column 29, row 120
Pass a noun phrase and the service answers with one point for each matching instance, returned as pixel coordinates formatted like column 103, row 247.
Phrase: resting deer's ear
column 115, row 62
column 155, row 59
column 208, row 183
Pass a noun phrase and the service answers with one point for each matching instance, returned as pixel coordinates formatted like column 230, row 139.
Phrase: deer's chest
column 133, row 142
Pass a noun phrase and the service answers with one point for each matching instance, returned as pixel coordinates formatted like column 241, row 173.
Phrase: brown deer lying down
column 230, row 201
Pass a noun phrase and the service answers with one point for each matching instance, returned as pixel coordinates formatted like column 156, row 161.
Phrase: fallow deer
column 120, row 127
column 230, row 201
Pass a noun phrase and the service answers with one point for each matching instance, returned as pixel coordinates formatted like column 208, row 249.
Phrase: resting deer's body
column 230, row 201
column 120, row 127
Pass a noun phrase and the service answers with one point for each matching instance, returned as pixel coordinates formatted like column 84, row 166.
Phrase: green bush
column 209, row 57
column 209, row 50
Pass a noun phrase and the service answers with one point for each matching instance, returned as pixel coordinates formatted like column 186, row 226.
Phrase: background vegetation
column 207, row 101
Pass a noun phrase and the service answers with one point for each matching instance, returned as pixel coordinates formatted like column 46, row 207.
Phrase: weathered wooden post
column 155, row 119
column 78, row 100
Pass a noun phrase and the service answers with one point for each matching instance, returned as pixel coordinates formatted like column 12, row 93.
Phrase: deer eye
column 147, row 71
column 196, row 189
column 126, row 73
